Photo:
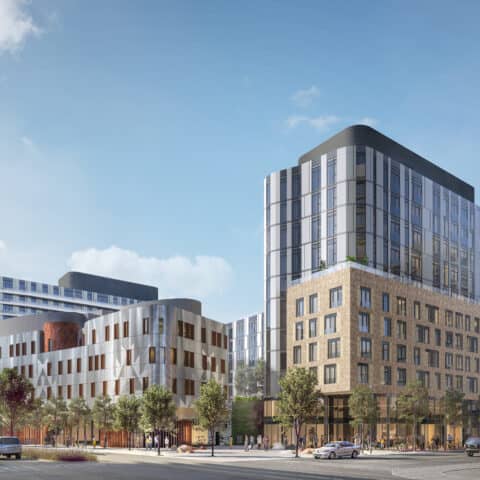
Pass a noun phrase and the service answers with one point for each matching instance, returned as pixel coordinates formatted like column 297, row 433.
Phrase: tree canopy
column 211, row 408
column 299, row 399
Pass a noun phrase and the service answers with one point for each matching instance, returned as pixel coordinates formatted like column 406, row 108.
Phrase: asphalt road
column 123, row 467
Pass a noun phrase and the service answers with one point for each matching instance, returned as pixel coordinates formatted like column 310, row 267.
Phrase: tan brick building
column 354, row 325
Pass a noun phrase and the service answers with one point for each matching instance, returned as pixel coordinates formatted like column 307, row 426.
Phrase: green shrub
column 57, row 455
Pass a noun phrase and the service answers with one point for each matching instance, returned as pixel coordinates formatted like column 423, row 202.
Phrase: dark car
column 472, row 446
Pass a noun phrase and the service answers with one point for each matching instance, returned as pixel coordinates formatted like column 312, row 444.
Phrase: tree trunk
column 212, row 435
column 297, row 435
column 158, row 445
column 105, row 439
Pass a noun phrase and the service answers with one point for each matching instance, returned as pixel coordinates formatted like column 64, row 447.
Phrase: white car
column 337, row 450
column 10, row 447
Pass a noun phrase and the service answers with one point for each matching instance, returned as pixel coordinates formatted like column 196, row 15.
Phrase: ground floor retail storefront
column 334, row 424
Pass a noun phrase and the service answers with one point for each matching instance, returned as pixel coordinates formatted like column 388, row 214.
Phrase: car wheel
column 18, row 456
column 331, row 456
column 354, row 454
column 8, row 455
column 470, row 454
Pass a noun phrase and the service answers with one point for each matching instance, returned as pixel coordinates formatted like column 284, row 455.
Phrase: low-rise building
column 165, row 342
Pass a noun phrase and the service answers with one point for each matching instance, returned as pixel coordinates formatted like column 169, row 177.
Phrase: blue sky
column 135, row 136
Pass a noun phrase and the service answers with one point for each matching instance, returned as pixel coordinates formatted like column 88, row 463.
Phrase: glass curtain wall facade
column 361, row 196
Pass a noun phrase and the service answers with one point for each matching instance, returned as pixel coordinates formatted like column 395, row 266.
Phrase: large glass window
column 365, row 297
column 299, row 307
column 330, row 374
column 312, row 327
column 299, row 331
column 333, row 348
column 364, row 322
column 330, row 323
column 363, row 373
column 313, row 303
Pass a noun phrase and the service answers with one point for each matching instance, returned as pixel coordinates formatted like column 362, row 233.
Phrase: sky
column 135, row 135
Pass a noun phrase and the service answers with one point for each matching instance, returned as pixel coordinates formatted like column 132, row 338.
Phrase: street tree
column 413, row 406
column 55, row 415
column 451, row 406
column 103, row 413
column 158, row 410
column 127, row 415
column 299, row 400
column 211, row 408
column 362, row 406
column 16, row 397
column 79, row 413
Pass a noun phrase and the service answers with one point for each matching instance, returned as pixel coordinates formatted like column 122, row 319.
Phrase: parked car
column 10, row 446
column 337, row 450
column 472, row 446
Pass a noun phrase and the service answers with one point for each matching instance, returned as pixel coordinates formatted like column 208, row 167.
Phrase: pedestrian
column 156, row 441
column 167, row 442
column 246, row 443
column 148, row 442
column 259, row 441
column 94, row 441
column 252, row 442
column 230, row 441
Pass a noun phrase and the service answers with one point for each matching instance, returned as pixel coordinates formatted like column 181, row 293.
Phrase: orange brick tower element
column 60, row 335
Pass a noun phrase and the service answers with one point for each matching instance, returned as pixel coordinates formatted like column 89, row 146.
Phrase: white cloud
column 368, row 121
column 26, row 141
column 174, row 276
column 321, row 123
column 304, row 98
column 3, row 246
column 16, row 24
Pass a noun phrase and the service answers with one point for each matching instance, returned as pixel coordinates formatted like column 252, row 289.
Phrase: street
column 240, row 467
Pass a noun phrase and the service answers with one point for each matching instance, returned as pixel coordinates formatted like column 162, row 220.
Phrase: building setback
column 246, row 346
column 362, row 196
column 165, row 342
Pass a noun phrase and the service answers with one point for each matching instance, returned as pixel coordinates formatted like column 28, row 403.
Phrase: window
column 80, row 390
column 49, row 393
column 313, row 303
column 204, row 335
column 401, row 330
column 364, row 322
column 449, row 381
column 387, row 375
column 312, row 328
column 60, row 368
column 32, row 347
column 330, row 323
column 336, row 297
column 401, row 353
column 458, row 320
column 161, row 324
column 433, row 358
column 30, row 371
column 385, row 302
column 189, row 387
column 416, row 310
column 146, row 325
column 131, row 386
column 363, row 373
column 299, row 307
column 297, row 354
column 330, row 374
column 312, row 352
column 438, row 381
column 49, row 369
column 313, row 371
column 117, row 387
column 401, row 306
column 422, row 334
column 129, row 358
column 416, row 356
column 438, row 337
column 116, row 331
column 173, row 356
column 401, row 376
column 189, row 332
column 458, row 362
column 333, row 348
column 102, row 361
column 449, row 339
column 107, row 333
column 174, row 385
column 204, row 362
column 222, row 366
column 432, row 314
column 151, row 355
column 92, row 389
column 459, row 341
column 448, row 360
column 385, row 351
column 365, row 348
column 125, row 329
column 365, row 297
column 189, row 359
column 144, row 384
column 79, row 365
column 387, row 327
column 299, row 331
